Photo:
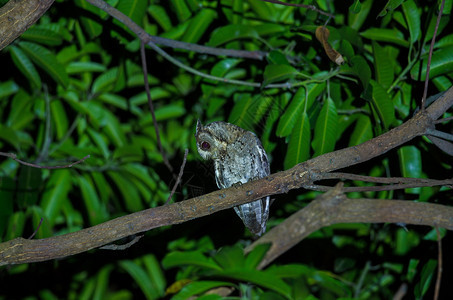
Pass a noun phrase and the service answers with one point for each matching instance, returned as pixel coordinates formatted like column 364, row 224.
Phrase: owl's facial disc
column 205, row 145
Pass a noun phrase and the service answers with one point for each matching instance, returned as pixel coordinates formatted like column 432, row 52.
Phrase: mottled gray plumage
column 238, row 158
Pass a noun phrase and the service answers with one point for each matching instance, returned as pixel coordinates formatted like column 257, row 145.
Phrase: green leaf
column 128, row 191
column 412, row 15
column 405, row 241
column 444, row 42
column 299, row 142
column 46, row 60
column 10, row 136
column 325, row 134
column 181, row 10
column 81, row 67
column 240, row 114
column 198, row 25
column 156, row 275
column 141, row 173
column 92, row 27
column 230, row 257
column 8, row 88
column 29, row 183
column 24, row 64
column 198, row 287
column 386, row 35
column 355, row 7
column 390, row 6
column 262, row 9
column 160, row 16
column 7, row 188
column 95, row 210
column 383, row 66
column 16, row 224
column 134, row 9
column 102, row 282
column 253, row 258
column 362, row 70
column 221, row 68
column 170, row 111
column 298, row 106
column 100, row 141
column 410, row 160
column 56, row 192
column 44, row 229
column 276, row 57
column 362, row 131
column 382, row 104
column 42, row 36
column 59, row 118
column 20, row 114
column 290, row 271
column 195, row 258
column 274, row 73
column 106, row 81
column 441, row 63
column 427, row 274
column 261, row 278
column 230, row 33
column 356, row 20
column 141, row 278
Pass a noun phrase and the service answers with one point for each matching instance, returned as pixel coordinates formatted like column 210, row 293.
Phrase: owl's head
column 211, row 140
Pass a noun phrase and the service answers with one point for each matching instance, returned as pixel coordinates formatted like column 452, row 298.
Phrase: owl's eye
column 205, row 145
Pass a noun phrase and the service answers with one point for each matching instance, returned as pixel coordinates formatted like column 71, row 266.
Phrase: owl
column 238, row 157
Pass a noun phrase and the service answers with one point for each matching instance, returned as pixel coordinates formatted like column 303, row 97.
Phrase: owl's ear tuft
column 199, row 127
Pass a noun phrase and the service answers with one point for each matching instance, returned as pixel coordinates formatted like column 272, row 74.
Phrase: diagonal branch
column 334, row 207
column 17, row 16
column 259, row 55
column 21, row 250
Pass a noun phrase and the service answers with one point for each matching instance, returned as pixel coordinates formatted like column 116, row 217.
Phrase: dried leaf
column 322, row 34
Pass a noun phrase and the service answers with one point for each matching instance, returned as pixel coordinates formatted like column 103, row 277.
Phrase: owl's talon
column 237, row 184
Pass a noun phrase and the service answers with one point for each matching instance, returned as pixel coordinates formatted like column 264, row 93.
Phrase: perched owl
column 238, row 158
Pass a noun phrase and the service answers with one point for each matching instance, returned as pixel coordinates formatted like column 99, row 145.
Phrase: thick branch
column 17, row 16
column 20, row 250
column 334, row 207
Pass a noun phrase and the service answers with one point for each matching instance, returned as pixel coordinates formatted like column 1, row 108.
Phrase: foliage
column 74, row 87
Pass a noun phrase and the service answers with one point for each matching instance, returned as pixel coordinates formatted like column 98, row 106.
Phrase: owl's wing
column 256, row 165
column 254, row 215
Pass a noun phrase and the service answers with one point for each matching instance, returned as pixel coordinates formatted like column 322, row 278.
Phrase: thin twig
column 36, row 230
column 428, row 65
column 311, row 7
column 181, row 170
column 149, row 40
column 397, row 180
column 259, row 55
column 14, row 156
column 122, row 247
column 439, row 265
column 443, row 120
column 151, row 106
column 440, row 134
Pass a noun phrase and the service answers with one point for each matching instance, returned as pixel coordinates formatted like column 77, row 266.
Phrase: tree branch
column 21, row 250
column 17, row 16
column 334, row 207
column 142, row 35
